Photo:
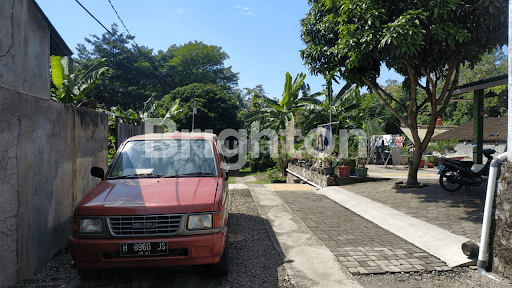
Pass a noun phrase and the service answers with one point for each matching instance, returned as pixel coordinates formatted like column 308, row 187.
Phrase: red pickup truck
column 163, row 202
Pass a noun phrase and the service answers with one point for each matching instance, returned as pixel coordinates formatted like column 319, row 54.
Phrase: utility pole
column 509, row 100
column 194, row 112
column 329, row 96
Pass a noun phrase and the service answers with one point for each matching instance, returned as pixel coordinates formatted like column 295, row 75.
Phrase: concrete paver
column 306, row 259
column 460, row 212
column 437, row 241
column 319, row 236
column 360, row 245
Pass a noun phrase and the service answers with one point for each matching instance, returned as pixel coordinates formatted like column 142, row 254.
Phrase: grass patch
column 247, row 172
column 262, row 181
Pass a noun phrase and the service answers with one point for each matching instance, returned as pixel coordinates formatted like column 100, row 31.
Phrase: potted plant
column 343, row 167
column 308, row 161
column 431, row 159
column 361, row 169
column 328, row 167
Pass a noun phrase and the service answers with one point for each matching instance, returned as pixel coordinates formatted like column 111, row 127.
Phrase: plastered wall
column 46, row 152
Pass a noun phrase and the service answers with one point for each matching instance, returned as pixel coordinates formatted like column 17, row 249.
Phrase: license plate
column 441, row 167
column 144, row 248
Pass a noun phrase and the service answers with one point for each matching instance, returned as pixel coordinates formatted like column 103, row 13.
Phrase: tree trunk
column 414, row 165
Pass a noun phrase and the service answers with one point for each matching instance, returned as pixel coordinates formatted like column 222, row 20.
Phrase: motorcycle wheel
column 446, row 181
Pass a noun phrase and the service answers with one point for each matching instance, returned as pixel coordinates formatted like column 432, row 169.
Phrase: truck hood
column 151, row 196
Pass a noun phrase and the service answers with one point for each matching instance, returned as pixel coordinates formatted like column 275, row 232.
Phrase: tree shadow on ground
column 472, row 200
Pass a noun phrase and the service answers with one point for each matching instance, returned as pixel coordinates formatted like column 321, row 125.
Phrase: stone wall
column 501, row 246
column 46, row 152
column 313, row 176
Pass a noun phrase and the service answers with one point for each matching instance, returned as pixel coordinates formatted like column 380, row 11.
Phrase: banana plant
column 150, row 111
column 343, row 103
column 69, row 87
column 275, row 114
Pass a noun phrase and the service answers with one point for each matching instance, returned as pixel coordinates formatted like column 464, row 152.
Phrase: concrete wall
column 24, row 49
column 46, row 152
column 466, row 149
column 125, row 130
column 501, row 234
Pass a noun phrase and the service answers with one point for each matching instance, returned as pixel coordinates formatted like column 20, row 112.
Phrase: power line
column 119, row 17
column 95, row 18
column 120, row 42
column 133, row 38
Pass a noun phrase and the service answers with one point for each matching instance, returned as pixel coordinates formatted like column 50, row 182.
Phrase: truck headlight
column 93, row 225
column 199, row 222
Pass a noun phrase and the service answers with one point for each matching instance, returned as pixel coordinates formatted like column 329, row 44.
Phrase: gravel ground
column 254, row 261
column 464, row 277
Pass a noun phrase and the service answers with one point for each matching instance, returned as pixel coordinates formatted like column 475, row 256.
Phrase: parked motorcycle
column 455, row 173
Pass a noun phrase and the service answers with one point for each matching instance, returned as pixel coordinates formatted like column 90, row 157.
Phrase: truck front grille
column 144, row 225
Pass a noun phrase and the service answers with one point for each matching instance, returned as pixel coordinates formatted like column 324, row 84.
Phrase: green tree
column 492, row 64
column 424, row 41
column 216, row 108
column 196, row 62
column 133, row 79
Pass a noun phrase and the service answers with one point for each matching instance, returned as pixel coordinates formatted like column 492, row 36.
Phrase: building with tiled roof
column 494, row 136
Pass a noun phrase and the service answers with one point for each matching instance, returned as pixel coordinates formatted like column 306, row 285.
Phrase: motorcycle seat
column 477, row 167
column 465, row 164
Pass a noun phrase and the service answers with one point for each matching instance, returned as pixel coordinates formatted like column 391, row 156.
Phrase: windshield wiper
column 142, row 175
column 191, row 174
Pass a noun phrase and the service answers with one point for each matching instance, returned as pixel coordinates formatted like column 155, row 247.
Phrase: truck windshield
column 165, row 158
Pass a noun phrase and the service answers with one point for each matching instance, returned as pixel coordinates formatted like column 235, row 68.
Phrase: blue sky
column 261, row 37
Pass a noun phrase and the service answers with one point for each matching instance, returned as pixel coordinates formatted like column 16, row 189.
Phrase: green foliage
column 274, row 174
column 196, row 62
column 133, row 79
column 431, row 158
column 342, row 107
column 139, row 73
column 491, row 64
column 351, row 38
column 153, row 109
column 443, row 146
column 425, row 41
column 216, row 108
column 67, row 86
column 273, row 114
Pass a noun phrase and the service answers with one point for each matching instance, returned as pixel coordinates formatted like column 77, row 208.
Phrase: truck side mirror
column 98, row 172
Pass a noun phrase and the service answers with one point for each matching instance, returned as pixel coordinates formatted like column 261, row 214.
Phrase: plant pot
column 422, row 163
column 328, row 171
column 344, row 171
column 361, row 172
column 430, row 165
column 404, row 159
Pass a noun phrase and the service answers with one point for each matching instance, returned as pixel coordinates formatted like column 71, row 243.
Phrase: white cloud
column 180, row 10
column 246, row 11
